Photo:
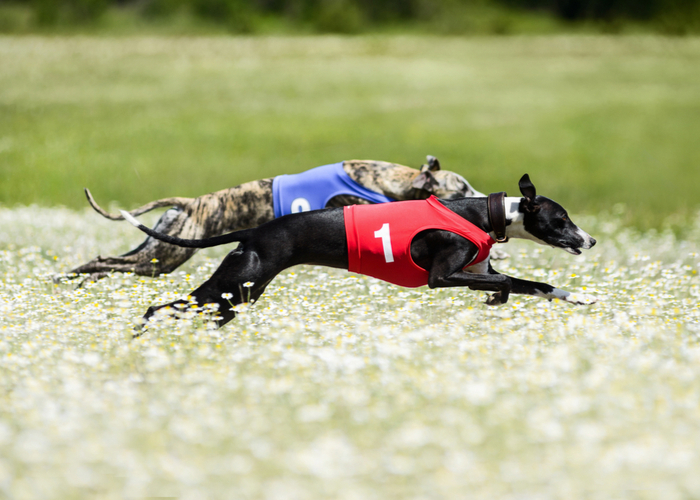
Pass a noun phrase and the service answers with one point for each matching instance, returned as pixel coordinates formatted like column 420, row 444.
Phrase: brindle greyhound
column 251, row 204
column 319, row 238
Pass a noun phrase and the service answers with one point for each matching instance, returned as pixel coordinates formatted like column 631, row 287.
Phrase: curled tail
column 181, row 242
column 165, row 202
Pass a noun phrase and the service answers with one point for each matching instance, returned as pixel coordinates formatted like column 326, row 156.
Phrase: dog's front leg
column 484, row 277
column 537, row 289
column 545, row 291
column 445, row 255
column 499, row 283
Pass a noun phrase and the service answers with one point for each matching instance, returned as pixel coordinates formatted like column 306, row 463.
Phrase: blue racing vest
column 313, row 189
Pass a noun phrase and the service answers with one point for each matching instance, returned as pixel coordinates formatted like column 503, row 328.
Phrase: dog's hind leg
column 150, row 258
column 239, row 279
column 236, row 208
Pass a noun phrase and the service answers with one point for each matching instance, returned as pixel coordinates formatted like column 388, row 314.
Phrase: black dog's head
column 547, row 222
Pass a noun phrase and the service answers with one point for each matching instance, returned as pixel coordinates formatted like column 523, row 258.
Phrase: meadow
column 343, row 387
column 333, row 385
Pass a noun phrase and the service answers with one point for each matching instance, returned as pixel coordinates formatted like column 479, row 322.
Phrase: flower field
column 343, row 387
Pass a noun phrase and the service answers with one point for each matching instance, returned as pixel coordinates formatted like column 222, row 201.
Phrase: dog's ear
column 425, row 181
column 527, row 188
column 433, row 163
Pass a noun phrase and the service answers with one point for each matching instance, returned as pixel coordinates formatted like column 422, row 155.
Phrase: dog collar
column 497, row 215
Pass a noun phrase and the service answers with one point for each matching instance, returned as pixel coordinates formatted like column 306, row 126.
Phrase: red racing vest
column 379, row 238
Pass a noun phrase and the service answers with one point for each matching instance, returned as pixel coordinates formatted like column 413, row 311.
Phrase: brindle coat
column 250, row 204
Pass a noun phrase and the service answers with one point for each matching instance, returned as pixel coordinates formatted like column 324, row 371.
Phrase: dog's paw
column 581, row 299
column 498, row 254
column 496, row 299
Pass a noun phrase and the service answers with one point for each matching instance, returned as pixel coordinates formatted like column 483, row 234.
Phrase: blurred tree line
column 351, row 16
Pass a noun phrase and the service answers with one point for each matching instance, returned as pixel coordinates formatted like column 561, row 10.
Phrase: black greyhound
column 319, row 238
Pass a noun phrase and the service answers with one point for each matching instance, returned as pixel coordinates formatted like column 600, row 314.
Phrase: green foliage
column 14, row 19
column 682, row 18
column 51, row 12
column 46, row 12
column 608, row 9
column 161, row 8
column 234, row 14
column 338, row 16
column 675, row 17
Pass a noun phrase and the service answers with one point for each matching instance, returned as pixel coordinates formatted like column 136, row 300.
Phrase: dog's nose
column 593, row 242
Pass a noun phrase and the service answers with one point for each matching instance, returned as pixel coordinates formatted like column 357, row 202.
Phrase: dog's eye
column 564, row 218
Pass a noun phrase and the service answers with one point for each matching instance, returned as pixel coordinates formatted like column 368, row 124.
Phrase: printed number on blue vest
column 300, row 205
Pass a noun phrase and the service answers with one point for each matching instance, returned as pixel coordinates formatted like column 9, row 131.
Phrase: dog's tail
column 174, row 240
column 165, row 202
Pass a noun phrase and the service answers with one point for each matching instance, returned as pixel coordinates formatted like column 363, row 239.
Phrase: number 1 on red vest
column 383, row 233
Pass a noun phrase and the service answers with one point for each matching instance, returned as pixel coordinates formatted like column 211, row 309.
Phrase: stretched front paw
column 581, row 299
column 496, row 299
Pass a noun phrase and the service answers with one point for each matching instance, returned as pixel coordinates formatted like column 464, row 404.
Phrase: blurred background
column 599, row 101
column 357, row 16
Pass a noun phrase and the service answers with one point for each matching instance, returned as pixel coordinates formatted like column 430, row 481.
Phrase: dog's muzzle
column 587, row 241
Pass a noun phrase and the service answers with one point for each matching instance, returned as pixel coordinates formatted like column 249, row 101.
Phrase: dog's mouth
column 571, row 250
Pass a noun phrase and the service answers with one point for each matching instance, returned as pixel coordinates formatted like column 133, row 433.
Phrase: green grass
column 596, row 121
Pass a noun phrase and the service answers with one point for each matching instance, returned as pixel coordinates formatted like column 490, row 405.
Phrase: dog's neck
column 475, row 211
column 515, row 227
